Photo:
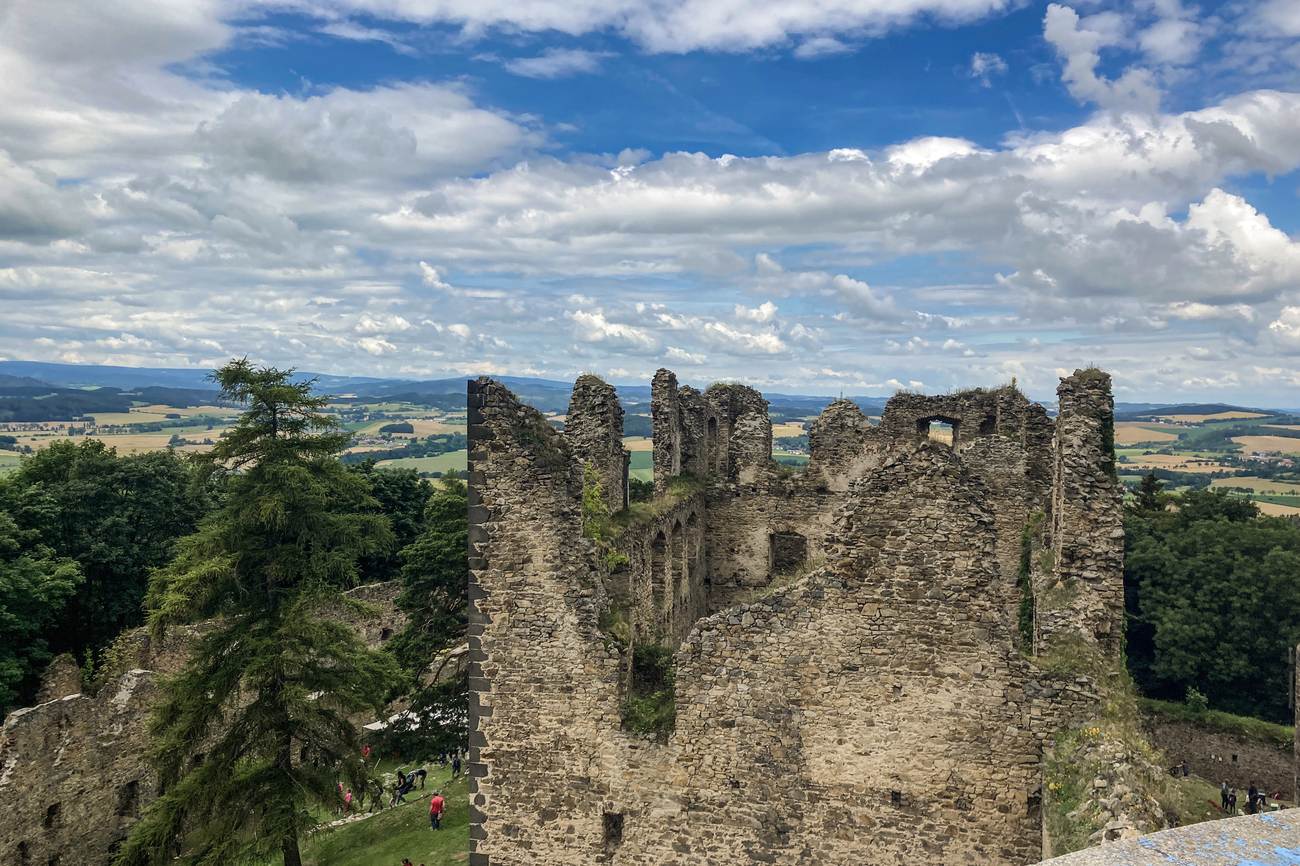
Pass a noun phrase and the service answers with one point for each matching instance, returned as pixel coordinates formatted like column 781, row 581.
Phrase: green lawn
column 642, row 467
column 400, row 832
column 439, row 463
column 9, row 461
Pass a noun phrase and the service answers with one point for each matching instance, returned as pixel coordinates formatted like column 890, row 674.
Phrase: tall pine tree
column 256, row 727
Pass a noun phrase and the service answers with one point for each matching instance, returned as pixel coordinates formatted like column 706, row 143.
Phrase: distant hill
column 1149, row 411
column 7, row 381
column 549, row 395
column 107, row 376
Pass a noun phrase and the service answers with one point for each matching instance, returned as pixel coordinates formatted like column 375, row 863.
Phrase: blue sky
column 843, row 195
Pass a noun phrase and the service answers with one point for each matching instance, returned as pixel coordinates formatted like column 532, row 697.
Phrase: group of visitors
column 1256, row 800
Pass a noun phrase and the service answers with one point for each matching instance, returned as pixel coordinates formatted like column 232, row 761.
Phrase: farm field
column 9, row 461
column 1216, row 416
column 1283, row 444
column 638, row 443
column 125, row 443
column 1272, row 509
column 456, row 460
column 641, row 466
column 423, row 426
column 1132, row 432
column 1259, row 485
column 789, row 428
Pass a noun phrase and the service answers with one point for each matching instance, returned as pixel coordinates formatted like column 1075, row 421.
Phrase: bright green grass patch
column 9, row 461
column 456, row 460
column 641, row 466
column 400, row 832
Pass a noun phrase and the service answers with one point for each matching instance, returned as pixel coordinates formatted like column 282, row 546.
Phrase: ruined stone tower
column 850, row 679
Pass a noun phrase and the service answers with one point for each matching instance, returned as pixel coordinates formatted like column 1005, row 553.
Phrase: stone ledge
column 1272, row 839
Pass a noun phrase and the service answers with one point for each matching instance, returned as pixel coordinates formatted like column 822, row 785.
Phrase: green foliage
column 436, row 721
column 116, row 517
column 650, row 706
column 680, row 489
column 435, row 578
column 402, row 495
column 257, row 726
column 1150, row 498
column 1024, row 581
column 1196, row 702
column 1213, row 602
column 34, row 586
column 596, row 523
column 640, row 491
column 398, row 427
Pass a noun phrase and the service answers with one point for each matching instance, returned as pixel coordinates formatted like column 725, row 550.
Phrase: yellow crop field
column 1259, row 485
column 1284, row 444
column 189, row 411
column 1272, row 509
column 789, row 428
column 639, row 443
column 132, row 417
column 1217, row 416
column 422, row 426
column 125, row 443
column 1132, row 432
column 1284, row 426
column 1173, row 461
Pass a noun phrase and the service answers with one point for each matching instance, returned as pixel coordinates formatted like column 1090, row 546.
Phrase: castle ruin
column 838, row 665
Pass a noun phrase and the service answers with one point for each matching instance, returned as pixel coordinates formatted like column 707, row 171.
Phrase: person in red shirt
column 436, row 805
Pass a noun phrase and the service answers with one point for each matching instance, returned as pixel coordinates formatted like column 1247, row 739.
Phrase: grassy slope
column 401, row 832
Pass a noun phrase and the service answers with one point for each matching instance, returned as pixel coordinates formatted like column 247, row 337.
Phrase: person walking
column 455, row 765
column 1223, row 796
column 436, row 805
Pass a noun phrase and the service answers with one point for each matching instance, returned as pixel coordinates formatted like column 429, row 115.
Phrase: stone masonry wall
column 594, row 428
column 1081, row 596
column 666, row 425
column 842, row 445
column 74, row 771
column 868, row 705
column 1218, row 756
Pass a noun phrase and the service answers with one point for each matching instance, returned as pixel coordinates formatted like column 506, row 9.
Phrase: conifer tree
column 256, row 727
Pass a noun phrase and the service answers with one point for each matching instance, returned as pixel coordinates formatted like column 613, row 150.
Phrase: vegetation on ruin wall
column 1025, row 615
column 1111, row 746
column 650, row 707
column 1221, row 722
column 596, row 523
column 680, row 489
column 538, row 437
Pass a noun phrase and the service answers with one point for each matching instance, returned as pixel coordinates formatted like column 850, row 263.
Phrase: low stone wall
column 1272, row 839
column 1220, row 756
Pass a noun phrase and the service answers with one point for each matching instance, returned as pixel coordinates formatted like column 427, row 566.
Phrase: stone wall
column 848, row 686
column 594, row 428
column 1080, row 597
column 74, row 770
column 1220, row 756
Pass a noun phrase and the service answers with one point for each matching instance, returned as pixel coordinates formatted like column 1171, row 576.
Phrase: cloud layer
column 154, row 211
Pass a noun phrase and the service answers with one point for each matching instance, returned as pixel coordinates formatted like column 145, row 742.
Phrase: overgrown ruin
column 862, row 662
column 76, row 770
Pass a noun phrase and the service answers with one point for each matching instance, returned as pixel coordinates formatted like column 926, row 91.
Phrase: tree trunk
column 290, row 849
column 289, row 844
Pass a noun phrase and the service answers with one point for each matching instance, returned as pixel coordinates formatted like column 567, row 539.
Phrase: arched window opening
column 658, row 570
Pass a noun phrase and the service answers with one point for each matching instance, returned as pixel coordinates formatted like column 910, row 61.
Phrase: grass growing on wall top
column 1227, row 723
